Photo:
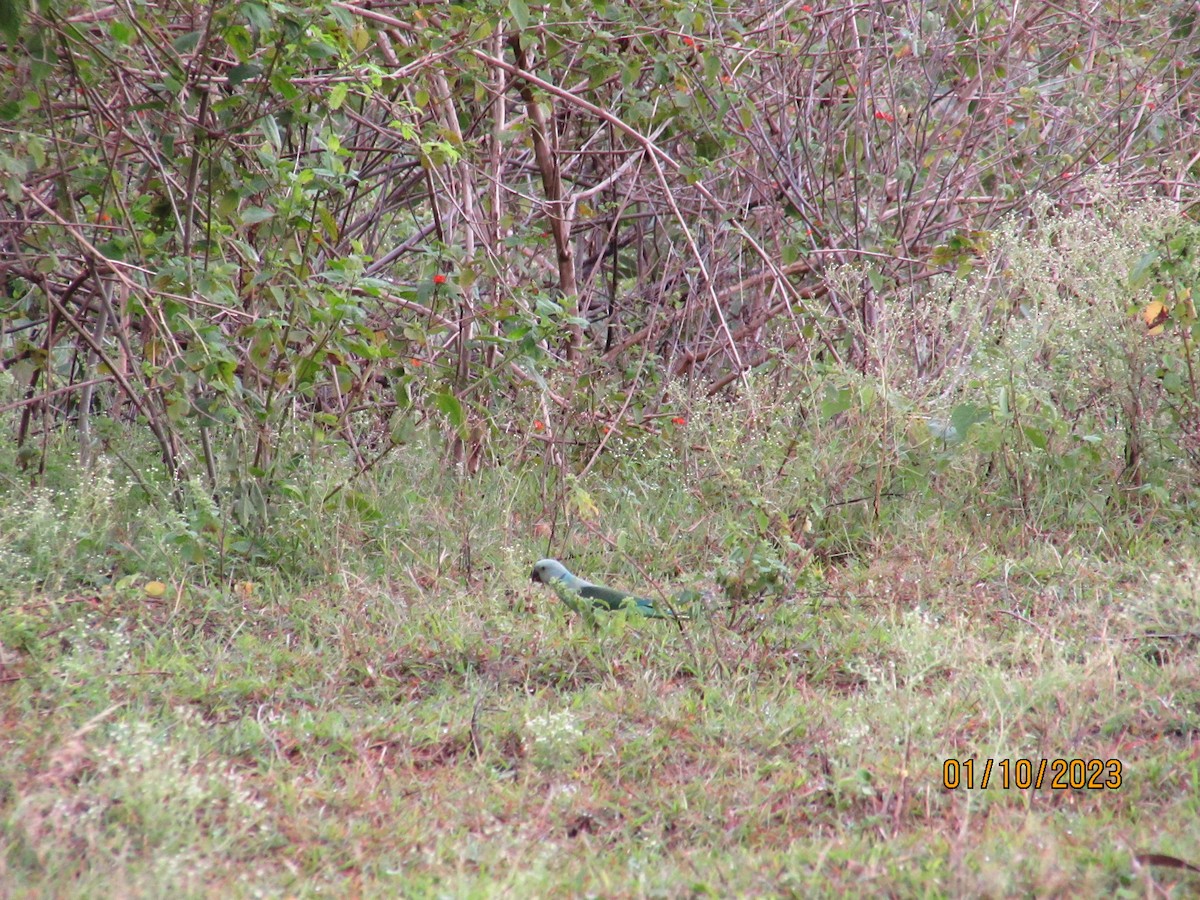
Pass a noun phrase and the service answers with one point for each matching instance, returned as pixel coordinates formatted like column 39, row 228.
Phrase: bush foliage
column 256, row 239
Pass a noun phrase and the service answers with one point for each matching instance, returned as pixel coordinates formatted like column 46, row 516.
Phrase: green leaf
column 252, row 215
column 453, row 408
column 520, row 13
column 242, row 72
column 186, row 43
column 258, row 17
column 121, row 32
column 11, row 14
column 837, row 401
column 319, row 50
column 329, row 223
column 271, row 130
column 337, row 96
column 1142, row 268
column 966, row 415
column 1036, row 437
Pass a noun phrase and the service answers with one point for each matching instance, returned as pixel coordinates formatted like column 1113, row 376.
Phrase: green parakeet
column 584, row 597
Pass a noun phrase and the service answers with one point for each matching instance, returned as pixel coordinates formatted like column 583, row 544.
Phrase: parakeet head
column 548, row 570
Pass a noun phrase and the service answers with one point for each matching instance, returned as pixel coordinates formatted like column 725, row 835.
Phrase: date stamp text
column 1024, row 774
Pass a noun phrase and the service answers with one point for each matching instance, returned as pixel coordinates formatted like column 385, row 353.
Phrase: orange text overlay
column 1023, row 774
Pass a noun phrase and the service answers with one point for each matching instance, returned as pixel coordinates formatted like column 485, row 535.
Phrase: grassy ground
column 421, row 719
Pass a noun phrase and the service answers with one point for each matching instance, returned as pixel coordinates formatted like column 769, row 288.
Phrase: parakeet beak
column 534, row 576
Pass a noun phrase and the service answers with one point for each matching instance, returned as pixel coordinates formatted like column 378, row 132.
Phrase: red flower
column 439, row 279
column 416, row 362
column 887, row 117
column 690, row 42
column 679, row 420
column 1009, row 122
column 807, row 7
column 539, row 425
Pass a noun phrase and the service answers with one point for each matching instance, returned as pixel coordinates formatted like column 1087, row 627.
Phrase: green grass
column 350, row 686
column 427, row 729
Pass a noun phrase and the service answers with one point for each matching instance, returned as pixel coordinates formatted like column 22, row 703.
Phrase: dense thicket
column 243, row 219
